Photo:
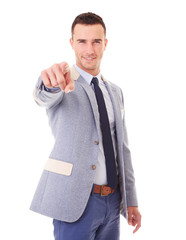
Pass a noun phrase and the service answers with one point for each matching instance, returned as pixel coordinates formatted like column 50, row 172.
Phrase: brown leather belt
column 103, row 190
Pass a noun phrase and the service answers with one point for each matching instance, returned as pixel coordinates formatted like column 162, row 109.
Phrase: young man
column 88, row 179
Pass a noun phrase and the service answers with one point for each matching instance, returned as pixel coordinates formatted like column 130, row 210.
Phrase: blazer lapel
column 90, row 93
column 117, row 111
column 93, row 102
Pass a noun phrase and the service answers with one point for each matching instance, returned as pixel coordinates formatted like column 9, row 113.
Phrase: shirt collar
column 87, row 76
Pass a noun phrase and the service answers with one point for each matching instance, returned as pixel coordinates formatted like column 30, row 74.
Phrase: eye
column 97, row 41
column 81, row 41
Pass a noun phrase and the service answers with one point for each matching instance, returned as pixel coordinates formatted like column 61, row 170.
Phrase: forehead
column 88, row 31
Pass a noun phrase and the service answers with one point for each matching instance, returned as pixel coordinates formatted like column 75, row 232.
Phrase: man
column 88, row 179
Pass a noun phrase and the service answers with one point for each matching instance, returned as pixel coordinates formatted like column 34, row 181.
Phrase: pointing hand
column 58, row 76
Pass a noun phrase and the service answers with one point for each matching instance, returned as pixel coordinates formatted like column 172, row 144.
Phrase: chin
column 88, row 67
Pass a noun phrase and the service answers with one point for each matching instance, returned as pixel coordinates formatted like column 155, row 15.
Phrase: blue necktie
column 112, row 177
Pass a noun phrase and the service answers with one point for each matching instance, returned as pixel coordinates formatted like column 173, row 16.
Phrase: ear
column 106, row 41
column 71, row 43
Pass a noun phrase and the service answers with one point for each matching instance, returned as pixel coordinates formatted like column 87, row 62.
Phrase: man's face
column 89, row 43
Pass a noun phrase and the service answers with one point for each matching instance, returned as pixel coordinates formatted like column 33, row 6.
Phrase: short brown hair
column 88, row 19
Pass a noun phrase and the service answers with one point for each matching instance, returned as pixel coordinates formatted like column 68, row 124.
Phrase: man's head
column 88, row 19
column 89, row 41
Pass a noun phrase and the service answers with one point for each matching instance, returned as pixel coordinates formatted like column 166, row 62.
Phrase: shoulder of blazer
column 74, row 73
column 112, row 85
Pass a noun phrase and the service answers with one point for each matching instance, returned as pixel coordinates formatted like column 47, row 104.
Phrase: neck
column 93, row 72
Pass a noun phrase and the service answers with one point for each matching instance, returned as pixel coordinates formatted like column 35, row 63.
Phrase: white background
column 146, row 57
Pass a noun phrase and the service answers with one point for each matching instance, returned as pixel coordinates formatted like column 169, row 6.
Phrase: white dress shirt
column 100, row 174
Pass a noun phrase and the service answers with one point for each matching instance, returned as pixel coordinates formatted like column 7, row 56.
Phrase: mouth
column 89, row 59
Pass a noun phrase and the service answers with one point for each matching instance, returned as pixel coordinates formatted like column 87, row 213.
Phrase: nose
column 90, row 48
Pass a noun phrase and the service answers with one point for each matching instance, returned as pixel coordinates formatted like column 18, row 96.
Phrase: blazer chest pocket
column 60, row 167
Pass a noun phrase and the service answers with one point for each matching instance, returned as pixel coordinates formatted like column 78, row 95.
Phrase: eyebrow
column 83, row 40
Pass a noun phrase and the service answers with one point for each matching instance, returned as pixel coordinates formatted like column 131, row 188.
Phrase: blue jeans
column 100, row 220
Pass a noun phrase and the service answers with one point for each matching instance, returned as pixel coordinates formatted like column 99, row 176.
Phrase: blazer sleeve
column 131, row 194
column 45, row 97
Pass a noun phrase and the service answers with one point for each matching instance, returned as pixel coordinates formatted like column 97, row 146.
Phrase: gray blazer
column 66, row 182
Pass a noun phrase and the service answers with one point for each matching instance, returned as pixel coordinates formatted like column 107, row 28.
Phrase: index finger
column 64, row 67
column 138, row 223
column 60, row 77
column 69, row 82
column 137, row 228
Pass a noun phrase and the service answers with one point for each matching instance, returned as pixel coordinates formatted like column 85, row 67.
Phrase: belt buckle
column 102, row 186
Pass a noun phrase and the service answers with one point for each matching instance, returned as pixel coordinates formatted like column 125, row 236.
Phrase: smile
column 89, row 59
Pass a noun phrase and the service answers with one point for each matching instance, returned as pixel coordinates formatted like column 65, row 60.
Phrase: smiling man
column 88, row 180
column 89, row 43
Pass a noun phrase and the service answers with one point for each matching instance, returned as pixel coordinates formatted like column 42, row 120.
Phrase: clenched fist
column 58, row 76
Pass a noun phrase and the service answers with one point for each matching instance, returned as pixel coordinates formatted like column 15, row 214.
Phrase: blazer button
column 96, row 142
column 93, row 167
